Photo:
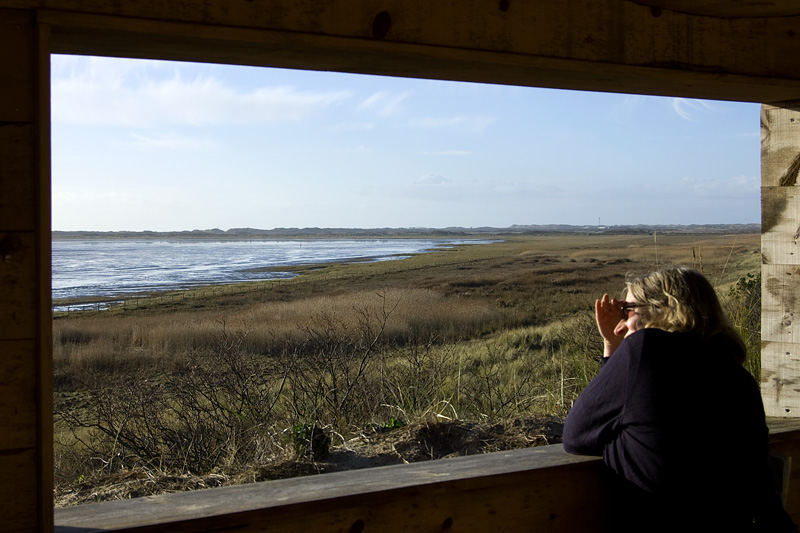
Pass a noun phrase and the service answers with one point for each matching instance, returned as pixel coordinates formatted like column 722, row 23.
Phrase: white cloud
column 627, row 108
column 688, row 109
column 172, row 142
column 98, row 92
column 384, row 103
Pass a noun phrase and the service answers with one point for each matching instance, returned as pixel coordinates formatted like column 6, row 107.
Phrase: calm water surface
column 111, row 268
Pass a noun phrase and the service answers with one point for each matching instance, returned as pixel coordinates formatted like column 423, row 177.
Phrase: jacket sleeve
column 596, row 416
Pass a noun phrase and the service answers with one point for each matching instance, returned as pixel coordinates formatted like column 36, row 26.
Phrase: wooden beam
column 780, row 226
column 504, row 491
column 26, row 432
column 728, row 8
column 605, row 45
column 42, row 297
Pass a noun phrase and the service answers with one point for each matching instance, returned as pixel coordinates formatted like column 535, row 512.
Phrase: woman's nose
column 622, row 328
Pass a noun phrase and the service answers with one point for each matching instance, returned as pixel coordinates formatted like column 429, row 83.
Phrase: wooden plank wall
column 780, row 269
column 609, row 45
column 25, row 438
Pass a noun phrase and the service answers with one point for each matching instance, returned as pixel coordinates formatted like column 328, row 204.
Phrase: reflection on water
column 113, row 268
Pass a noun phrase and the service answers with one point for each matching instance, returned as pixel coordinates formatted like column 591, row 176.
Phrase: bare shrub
column 332, row 377
column 212, row 412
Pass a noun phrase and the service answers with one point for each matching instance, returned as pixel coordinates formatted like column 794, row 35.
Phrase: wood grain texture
column 780, row 227
column 17, row 162
column 18, row 383
column 505, row 491
column 536, row 489
column 16, row 66
column 18, row 280
column 780, row 270
column 17, row 493
column 780, row 144
column 25, row 393
column 728, row 8
column 780, row 384
column 780, row 303
column 787, row 445
column 609, row 45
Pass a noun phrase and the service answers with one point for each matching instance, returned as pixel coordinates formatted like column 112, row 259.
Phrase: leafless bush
column 213, row 411
column 332, row 377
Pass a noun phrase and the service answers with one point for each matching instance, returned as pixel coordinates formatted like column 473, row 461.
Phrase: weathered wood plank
column 787, row 444
column 780, row 226
column 41, row 296
column 780, row 144
column 16, row 64
column 610, row 45
column 780, row 385
column 505, row 491
column 728, row 8
column 780, row 269
column 18, row 280
column 26, row 404
column 535, row 489
column 19, row 490
column 780, row 304
column 18, row 383
column 17, row 162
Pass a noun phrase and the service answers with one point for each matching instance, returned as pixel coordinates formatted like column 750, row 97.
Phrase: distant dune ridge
column 317, row 233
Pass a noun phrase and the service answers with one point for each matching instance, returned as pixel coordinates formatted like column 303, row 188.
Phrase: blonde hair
column 681, row 299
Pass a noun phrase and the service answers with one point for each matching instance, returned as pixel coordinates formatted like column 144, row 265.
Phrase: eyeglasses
column 626, row 308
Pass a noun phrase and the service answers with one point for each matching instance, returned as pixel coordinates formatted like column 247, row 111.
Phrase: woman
column 677, row 419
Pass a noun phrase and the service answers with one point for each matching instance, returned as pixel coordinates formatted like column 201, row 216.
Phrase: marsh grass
column 216, row 379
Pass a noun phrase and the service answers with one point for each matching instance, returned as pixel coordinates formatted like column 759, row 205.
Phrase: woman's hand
column 607, row 314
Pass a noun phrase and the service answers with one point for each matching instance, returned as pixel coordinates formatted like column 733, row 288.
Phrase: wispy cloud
column 626, row 108
column 384, row 103
column 688, row 109
column 171, row 141
column 98, row 93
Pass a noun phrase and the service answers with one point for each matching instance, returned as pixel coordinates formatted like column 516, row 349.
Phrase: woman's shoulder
column 647, row 335
column 655, row 340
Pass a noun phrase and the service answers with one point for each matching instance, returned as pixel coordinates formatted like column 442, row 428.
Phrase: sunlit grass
column 481, row 332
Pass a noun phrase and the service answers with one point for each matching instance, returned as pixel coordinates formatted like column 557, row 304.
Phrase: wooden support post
column 26, row 434
column 780, row 254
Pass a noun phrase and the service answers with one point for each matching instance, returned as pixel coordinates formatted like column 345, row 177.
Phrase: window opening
column 244, row 285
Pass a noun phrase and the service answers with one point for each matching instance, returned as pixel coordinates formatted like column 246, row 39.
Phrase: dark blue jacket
column 682, row 425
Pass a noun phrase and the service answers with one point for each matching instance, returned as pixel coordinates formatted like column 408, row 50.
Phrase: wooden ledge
column 418, row 496
column 497, row 491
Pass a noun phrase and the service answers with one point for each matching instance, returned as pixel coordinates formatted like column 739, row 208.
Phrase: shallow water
column 111, row 268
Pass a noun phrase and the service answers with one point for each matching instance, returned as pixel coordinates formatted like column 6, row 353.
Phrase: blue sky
column 153, row 145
